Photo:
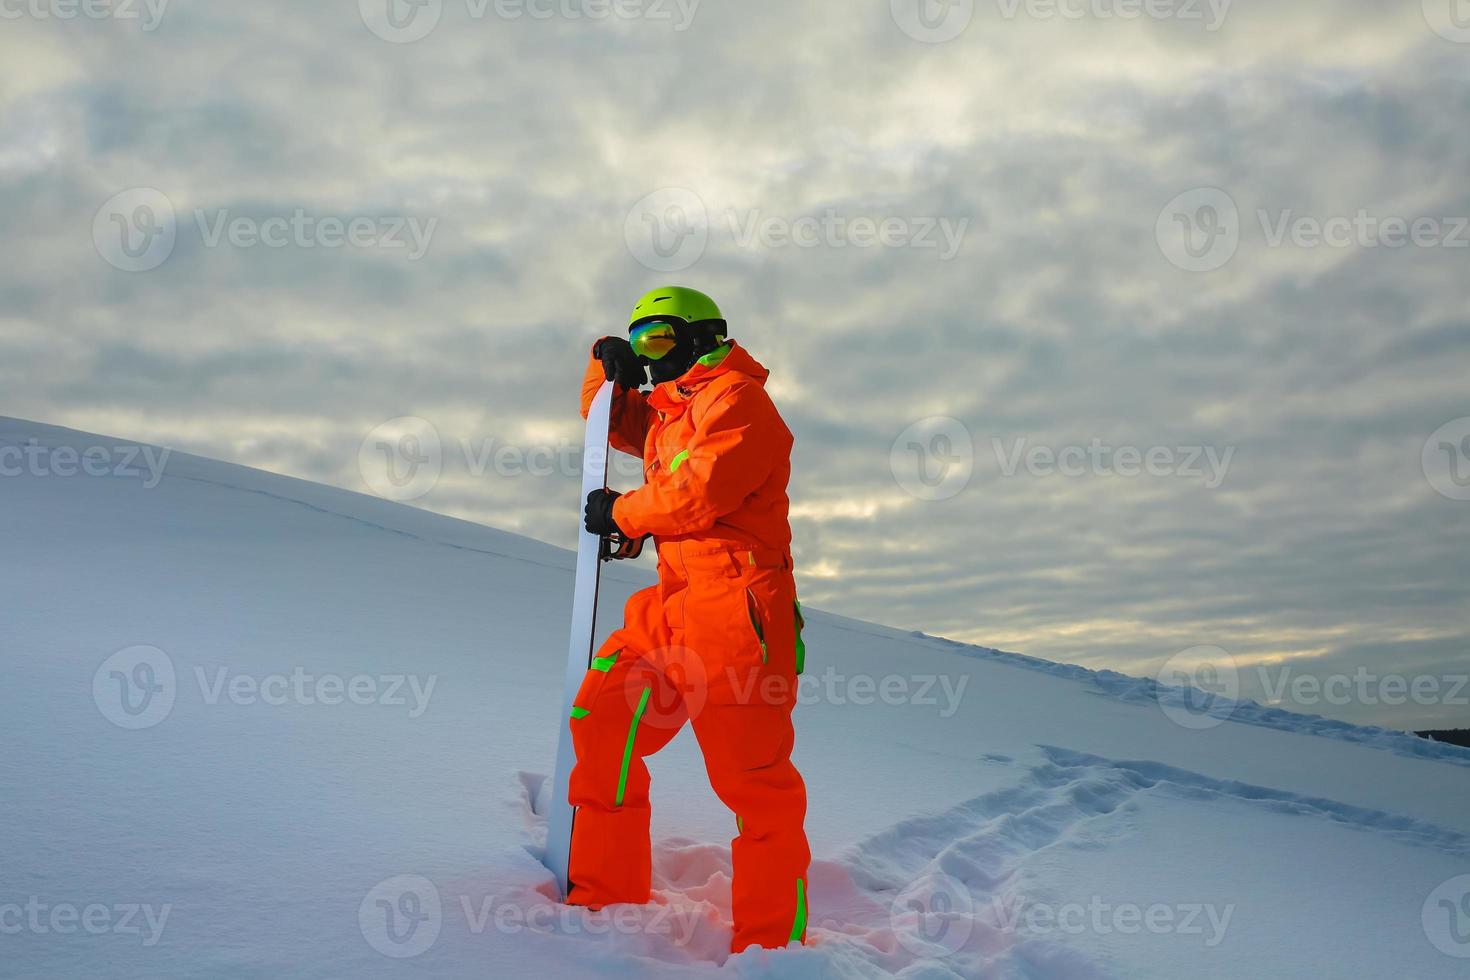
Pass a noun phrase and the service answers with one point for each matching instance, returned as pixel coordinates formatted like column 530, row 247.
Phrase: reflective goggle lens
column 653, row 340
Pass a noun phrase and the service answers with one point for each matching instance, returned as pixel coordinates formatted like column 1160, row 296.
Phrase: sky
column 1127, row 333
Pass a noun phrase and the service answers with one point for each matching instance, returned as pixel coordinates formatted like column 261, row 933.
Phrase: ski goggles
column 653, row 339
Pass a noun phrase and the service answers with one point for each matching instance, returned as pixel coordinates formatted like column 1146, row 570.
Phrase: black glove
column 599, row 516
column 619, row 363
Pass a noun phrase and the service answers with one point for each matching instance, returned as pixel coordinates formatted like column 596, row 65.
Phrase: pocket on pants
column 722, row 624
column 740, row 635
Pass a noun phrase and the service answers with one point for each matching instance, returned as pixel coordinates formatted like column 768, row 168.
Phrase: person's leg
column 625, row 710
column 739, row 619
column 747, row 753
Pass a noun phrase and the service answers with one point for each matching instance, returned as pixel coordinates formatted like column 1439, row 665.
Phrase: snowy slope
column 973, row 813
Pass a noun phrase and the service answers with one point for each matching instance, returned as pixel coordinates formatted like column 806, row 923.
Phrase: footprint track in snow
column 1072, row 799
column 874, row 910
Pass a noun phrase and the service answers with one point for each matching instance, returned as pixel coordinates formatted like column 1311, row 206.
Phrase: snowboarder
column 718, row 640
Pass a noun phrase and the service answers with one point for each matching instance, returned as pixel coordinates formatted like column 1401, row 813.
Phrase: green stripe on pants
column 799, row 926
column 628, row 748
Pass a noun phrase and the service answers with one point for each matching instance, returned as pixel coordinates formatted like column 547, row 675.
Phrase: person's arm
column 630, row 411
column 735, row 446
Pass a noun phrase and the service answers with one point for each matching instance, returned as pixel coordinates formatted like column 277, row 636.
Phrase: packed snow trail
column 347, row 778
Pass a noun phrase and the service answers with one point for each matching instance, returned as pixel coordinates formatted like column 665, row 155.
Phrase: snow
column 991, row 815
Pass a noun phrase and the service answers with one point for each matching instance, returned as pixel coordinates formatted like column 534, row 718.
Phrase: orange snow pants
column 715, row 644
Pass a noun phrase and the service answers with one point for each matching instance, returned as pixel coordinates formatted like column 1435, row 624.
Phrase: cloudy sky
column 1107, row 330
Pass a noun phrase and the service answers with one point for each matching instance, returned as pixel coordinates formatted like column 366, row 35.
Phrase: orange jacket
column 716, row 455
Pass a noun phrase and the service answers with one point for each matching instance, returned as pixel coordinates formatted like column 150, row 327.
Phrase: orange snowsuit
column 715, row 642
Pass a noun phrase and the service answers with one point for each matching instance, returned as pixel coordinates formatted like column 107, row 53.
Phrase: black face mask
column 692, row 341
column 676, row 363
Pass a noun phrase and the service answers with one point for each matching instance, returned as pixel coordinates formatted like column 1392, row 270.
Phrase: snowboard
column 580, row 647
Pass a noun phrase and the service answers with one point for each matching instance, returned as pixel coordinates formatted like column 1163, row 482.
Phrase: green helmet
column 689, row 305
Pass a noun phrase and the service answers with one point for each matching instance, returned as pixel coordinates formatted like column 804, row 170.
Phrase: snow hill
column 256, row 727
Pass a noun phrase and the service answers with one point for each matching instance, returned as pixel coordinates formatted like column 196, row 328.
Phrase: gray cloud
column 1058, row 321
